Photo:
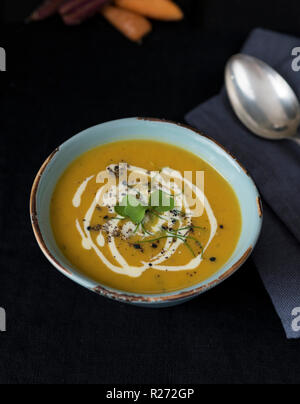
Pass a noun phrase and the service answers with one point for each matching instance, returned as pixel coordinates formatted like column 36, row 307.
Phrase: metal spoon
column 262, row 99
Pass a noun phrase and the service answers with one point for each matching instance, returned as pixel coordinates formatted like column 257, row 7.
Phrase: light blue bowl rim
column 127, row 297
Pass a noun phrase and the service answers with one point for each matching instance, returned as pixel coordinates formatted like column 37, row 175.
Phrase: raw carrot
column 76, row 11
column 70, row 5
column 132, row 25
column 47, row 9
column 158, row 9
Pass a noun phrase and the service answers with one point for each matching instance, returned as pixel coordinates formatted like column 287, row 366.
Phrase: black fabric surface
column 60, row 81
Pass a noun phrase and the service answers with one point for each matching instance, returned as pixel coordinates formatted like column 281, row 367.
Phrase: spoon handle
column 296, row 139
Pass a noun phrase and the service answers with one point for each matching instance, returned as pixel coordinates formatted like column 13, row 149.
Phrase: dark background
column 61, row 80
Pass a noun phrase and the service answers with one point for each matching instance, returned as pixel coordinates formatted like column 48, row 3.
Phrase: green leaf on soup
column 161, row 202
column 132, row 209
column 120, row 210
column 136, row 214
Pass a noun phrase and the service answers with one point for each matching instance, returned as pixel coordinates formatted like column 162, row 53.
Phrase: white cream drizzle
column 170, row 247
column 77, row 197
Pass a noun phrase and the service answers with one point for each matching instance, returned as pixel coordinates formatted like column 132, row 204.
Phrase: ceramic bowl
column 164, row 131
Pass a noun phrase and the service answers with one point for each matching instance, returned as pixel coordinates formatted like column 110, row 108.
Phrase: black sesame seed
column 137, row 246
column 213, row 259
column 154, row 245
column 221, row 226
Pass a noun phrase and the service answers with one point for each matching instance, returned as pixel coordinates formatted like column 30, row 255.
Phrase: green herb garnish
column 161, row 202
column 173, row 236
column 145, row 231
column 134, row 210
column 192, row 227
column 157, row 215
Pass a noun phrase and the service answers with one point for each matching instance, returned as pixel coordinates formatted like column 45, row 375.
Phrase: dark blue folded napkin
column 275, row 166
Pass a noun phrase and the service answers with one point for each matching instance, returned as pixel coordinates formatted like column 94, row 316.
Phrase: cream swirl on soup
column 116, row 227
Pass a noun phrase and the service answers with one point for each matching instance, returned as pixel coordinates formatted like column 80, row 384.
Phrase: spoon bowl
column 261, row 98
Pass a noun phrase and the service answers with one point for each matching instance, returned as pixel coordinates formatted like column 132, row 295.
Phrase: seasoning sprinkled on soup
column 145, row 217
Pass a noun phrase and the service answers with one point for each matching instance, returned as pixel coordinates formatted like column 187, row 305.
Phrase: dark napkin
column 275, row 166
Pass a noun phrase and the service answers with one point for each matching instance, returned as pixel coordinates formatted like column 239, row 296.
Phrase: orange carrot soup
column 145, row 217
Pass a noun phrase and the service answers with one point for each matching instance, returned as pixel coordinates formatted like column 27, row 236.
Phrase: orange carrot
column 158, row 9
column 132, row 25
